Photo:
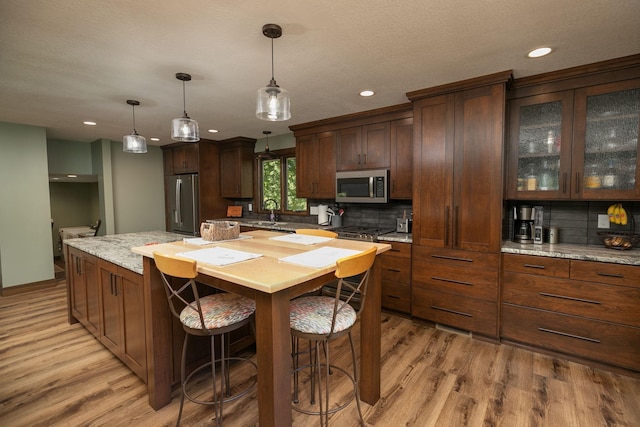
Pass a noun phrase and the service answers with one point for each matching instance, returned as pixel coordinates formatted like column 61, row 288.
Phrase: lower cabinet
column 122, row 315
column 84, row 291
column 456, row 288
column 584, row 309
column 396, row 277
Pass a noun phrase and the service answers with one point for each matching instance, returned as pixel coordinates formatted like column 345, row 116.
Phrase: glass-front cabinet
column 580, row 144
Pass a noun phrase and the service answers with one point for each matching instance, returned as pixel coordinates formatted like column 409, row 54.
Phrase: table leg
column 370, row 330
column 274, row 359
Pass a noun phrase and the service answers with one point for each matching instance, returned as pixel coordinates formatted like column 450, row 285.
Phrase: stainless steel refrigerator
column 182, row 192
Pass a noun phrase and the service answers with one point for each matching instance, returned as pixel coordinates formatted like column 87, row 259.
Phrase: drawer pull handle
column 394, row 250
column 545, row 294
column 457, row 282
column 451, row 311
column 452, row 258
column 541, row 267
column 564, row 334
column 619, row 276
column 393, row 270
column 393, row 296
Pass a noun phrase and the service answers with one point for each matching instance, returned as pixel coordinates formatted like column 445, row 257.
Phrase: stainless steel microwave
column 365, row 186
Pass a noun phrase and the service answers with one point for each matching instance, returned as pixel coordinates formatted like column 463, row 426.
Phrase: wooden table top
column 266, row 273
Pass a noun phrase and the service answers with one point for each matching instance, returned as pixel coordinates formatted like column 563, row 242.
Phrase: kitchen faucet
column 272, row 216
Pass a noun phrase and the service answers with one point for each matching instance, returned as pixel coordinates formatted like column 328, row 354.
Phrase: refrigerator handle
column 178, row 211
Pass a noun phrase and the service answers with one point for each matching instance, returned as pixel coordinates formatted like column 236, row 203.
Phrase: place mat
column 303, row 239
column 321, row 257
column 199, row 241
column 219, row 256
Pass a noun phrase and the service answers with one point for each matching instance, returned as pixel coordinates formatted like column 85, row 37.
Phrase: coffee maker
column 523, row 220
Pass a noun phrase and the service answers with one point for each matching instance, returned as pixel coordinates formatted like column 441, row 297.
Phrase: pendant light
column 273, row 101
column 266, row 154
column 134, row 143
column 184, row 129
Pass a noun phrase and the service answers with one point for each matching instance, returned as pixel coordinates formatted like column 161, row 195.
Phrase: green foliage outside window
column 274, row 186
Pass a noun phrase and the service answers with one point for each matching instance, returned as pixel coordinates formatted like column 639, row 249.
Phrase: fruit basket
column 620, row 240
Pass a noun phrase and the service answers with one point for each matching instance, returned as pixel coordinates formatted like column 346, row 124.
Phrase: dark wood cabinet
column 363, row 147
column 236, row 167
column 84, row 290
column 457, row 202
column 184, row 158
column 396, row 277
column 316, row 172
column 574, row 134
column 123, row 315
column 585, row 309
column 401, row 171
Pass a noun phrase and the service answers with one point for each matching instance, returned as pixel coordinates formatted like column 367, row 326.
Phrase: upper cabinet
column 181, row 159
column 316, row 172
column 577, row 143
column 363, row 147
column 236, row 167
column 375, row 139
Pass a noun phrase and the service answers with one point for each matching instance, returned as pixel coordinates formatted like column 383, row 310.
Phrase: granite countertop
column 277, row 226
column 578, row 252
column 396, row 237
column 116, row 248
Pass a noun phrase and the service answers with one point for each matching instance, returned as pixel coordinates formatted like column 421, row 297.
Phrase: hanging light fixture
column 273, row 101
column 184, row 129
column 266, row 154
column 134, row 143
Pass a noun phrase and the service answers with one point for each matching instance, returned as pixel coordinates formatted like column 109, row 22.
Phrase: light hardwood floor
column 53, row 373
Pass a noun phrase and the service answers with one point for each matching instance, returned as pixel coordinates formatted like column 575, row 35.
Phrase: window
column 278, row 183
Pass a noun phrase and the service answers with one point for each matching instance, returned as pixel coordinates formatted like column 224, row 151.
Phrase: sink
column 266, row 223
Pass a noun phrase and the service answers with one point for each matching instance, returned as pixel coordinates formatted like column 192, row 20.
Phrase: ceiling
column 66, row 61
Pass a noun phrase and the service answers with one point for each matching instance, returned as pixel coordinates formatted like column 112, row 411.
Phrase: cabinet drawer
column 456, row 257
column 396, row 269
column 614, row 274
column 464, row 313
column 590, row 339
column 396, row 296
column 543, row 266
column 467, row 282
column 617, row 304
column 399, row 250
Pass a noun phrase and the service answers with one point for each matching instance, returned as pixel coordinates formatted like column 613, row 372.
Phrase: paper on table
column 320, row 258
column 199, row 241
column 302, row 239
column 219, row 256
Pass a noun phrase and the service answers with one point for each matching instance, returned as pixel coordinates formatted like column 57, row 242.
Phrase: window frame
column 282, row 155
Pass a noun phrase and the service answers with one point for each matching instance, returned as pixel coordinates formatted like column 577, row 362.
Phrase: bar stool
column 212, row 316
column 316, row 232
column 322, row 319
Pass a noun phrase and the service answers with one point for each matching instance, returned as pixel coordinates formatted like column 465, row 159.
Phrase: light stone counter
column 116, row 248
column 578, row 252
column 277, row 226
column 396, row 237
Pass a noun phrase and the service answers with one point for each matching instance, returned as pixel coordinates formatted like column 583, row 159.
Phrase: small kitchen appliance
column 537, row 224
column 403, row 225
column 523, row 219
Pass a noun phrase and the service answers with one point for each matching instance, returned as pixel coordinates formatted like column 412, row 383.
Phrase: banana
column 623, row 215
column 610, row 212
column 616, row 214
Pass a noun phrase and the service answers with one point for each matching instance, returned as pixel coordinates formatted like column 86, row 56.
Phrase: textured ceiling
column 66, row 61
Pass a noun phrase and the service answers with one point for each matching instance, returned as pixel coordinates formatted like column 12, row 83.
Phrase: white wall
column 26, row 253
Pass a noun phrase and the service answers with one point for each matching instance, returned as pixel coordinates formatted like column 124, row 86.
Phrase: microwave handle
column 371, row 187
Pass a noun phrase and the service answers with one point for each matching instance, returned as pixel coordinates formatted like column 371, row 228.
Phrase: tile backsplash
column 577, row 222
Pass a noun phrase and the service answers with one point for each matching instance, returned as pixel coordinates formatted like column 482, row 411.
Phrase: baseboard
column 30, row 287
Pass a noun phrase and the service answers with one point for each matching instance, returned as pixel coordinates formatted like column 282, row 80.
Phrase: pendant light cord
column 184, row 100
column 272, row 73
column 133, row 112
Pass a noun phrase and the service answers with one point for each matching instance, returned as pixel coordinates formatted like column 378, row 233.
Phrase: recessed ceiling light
column 367, row 93
column 72, row 176
column 538, row 52
column 213, row 130
column 155, row 139
column 88, row 123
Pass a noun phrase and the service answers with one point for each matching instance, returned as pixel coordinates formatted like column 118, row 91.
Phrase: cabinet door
column 111, row 336
column 348, row 154
column 605, row 162
column 432, row 171
column 78, row 285
column 539, row 162
column 185, row 158
column 130, row 294
column 375, row 146
column 236, row 170
column 326, row 164
column 167, row 158
column 401, row 158
column 478, row 162
column 307, row 171
column 90, row 271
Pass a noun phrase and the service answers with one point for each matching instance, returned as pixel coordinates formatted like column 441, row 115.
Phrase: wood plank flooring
column 56, row 374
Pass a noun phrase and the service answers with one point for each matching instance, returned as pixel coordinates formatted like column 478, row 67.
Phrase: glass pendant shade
column 273, row 103
column 134, row 143
column 185, row 129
